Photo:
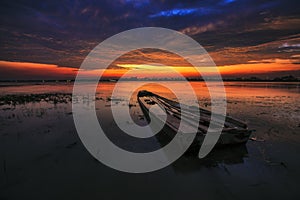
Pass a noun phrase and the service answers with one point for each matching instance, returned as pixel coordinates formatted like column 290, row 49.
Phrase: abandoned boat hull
column 236, row 131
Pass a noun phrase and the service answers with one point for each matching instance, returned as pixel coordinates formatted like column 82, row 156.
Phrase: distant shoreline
column 40, row 82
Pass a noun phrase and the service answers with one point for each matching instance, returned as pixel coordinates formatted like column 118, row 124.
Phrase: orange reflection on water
column 234, row 90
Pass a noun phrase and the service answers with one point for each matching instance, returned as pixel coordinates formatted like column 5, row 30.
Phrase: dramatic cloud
column 23, row 70
column 182, row 12
column 233, row 31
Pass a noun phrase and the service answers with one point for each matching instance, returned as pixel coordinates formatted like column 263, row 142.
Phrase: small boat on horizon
column 234, row 131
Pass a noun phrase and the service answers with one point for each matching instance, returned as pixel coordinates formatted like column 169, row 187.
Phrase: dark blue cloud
column 184, row 12
column 63, row 32
column 175, row 12
column 225, row 2
column 137, row 3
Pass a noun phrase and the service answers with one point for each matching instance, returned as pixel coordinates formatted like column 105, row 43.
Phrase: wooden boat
column 234, row 131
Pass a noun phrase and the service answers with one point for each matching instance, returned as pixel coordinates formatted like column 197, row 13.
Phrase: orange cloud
column 27, row 70
column 262, row 67
column 267, row 66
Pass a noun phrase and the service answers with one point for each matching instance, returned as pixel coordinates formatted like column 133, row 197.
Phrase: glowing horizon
column 51, row 71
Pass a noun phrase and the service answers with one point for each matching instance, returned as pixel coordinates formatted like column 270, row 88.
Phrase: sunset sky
column 49, row 39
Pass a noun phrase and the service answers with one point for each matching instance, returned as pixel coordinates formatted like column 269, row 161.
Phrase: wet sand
column 42, row 157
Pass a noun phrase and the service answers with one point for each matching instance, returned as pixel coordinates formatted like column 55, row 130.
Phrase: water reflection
column 229, row 155
column 40, row 150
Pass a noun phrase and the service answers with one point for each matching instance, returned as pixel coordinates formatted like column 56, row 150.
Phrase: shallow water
column 42, row 157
